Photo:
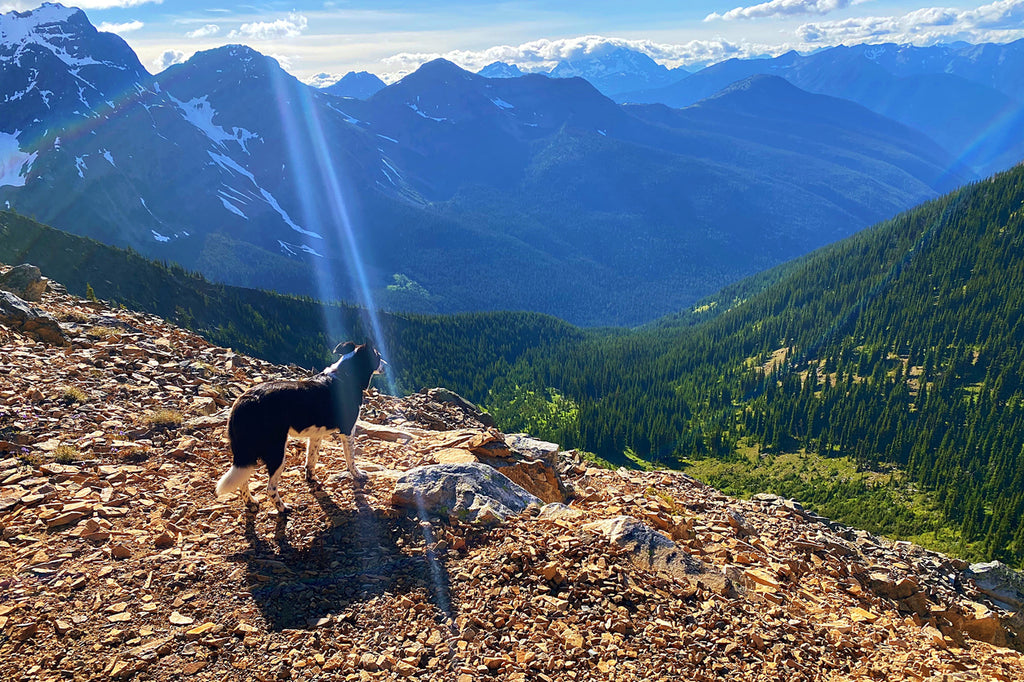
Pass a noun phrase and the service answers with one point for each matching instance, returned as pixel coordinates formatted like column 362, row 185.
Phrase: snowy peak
column 359, row 85
column 67, row 34
column 500, row 70
column 41, row 25
column 229, row 65
column 53, row 60
column 617, row 70
column 619, row 61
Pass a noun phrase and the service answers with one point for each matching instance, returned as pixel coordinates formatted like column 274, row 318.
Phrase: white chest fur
column 317, row 432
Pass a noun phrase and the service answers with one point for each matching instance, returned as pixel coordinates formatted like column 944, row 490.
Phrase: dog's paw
column 309, row 475
column 358, row 474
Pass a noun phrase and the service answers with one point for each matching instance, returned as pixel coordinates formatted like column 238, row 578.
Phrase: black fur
column 262, row 417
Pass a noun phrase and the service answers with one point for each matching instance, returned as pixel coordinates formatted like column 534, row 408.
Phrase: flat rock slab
column 472, row 492
column 533, row 448
column 1000, row 582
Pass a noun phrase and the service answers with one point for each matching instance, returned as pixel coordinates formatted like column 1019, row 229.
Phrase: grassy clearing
column 883, row 502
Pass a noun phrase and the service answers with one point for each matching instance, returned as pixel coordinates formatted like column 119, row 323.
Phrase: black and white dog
column 265, row 415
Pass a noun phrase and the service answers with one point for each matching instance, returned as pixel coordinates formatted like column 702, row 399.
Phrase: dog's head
column 360, row 361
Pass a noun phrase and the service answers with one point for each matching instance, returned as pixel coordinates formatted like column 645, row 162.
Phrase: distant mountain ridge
column 612, row 70
column 562, row 201
column 968, row 98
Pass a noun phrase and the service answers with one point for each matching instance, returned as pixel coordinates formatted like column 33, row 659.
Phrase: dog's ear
column 344, row 348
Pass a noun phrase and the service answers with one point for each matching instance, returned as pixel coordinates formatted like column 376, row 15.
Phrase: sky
column 318, row 42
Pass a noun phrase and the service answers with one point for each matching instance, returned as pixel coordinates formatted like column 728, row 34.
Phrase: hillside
column 896, row 351
column 118, row 563
column 282, row 329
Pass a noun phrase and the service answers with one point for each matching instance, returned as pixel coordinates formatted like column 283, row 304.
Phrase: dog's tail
column 234, row 479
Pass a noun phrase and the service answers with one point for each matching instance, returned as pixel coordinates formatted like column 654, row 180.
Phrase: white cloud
column 322, row 79
column 782, row 8
column 204, row 31
column 286, row 62
column 168, row 58
column 542, row 55
column 1002, row 20
column 126, row 27
column 290, row 27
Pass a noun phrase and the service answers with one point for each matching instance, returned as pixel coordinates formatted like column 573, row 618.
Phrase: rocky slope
column 117, row 562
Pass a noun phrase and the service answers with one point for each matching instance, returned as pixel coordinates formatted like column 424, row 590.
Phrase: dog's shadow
column 362, row 553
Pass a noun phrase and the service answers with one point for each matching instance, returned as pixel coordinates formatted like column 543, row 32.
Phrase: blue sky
column 392, row 37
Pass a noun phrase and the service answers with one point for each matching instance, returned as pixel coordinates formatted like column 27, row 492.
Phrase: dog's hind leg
column 350, row 459
column 312, row 454
column 237, row 478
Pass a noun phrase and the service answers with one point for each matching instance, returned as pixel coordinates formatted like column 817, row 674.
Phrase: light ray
column 313, row 163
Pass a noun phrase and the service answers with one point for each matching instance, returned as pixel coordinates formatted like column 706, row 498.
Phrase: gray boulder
column 1000, row 582
column 472, row 492
column 20, row 316
column 648, row 548
column 25, row 281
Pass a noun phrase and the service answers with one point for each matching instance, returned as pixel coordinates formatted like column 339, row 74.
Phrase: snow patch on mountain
column 199, row 112
column 423, row 113
column 226, row 198
column 231, row 165
column 14, row 163
column 348, row 119
column 293, row 249
column 80, row 165
column 231, row 207
column 502, row 104
column 389, row 172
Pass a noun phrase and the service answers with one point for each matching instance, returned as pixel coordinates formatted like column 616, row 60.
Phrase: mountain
column 562, row 201
column 612, row 70
column 500, row 70
column 617, row 70
column 95, row 439
column 55, row 64
column 359, row 85
column 966, row 98
column 154, row 164
column 488, row 148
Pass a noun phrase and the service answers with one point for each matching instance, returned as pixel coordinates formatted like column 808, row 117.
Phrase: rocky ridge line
column 116, row 561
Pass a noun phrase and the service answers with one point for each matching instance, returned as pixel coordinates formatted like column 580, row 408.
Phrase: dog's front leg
column 350, row 459
column 312, row 454
column 275, row 481
column 247, row 498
